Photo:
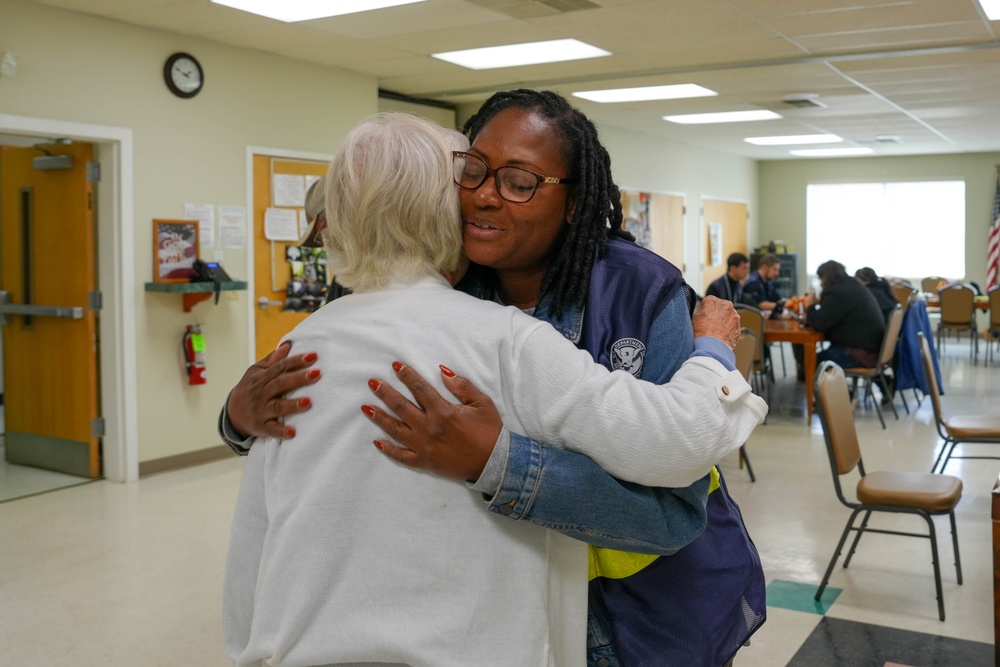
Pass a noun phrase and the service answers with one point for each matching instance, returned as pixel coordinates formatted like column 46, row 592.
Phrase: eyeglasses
column 513, row 183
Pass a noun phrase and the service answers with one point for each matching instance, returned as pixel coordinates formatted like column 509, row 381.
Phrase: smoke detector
column 803, row 100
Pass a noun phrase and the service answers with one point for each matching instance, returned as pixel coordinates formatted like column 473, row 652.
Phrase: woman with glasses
column 339, row 556
column 559, row 253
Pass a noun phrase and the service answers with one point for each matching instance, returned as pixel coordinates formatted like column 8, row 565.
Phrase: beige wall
column 783, row 195
column 81, row 69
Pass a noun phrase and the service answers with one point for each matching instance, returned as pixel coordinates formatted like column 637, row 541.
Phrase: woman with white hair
column 338, row 555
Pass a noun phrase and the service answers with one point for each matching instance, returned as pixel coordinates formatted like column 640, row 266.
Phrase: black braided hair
column 598, row 211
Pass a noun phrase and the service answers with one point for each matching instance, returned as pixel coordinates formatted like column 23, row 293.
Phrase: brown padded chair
column 958, row 314
column 930, row 284
column 904, row 295
column 994, row 329
column 924, row 494
column 885, row 354
column 751, row 318
column 746, row 348
column 975, row 429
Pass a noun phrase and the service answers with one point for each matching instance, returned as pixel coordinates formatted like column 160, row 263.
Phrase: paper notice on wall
column 233, row 226
column 288, row 190
column 205, row 215
column 715, row 243
column 281, row 224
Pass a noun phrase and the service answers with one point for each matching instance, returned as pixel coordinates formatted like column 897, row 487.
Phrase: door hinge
column 95, row 300
column 93, row 172
column 97, row 427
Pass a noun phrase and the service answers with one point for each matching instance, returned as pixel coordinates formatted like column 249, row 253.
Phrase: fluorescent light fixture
column 832, row 152
column 992, row 9
column 724, row 117
column 794, row 139
column 515, row 55
column 647, row 93
column 291, row 11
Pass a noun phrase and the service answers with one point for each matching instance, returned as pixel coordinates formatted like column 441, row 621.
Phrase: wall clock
column 183, row 75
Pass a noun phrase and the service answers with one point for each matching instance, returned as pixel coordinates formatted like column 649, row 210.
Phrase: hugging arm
column 559, row 489
column 257, row 404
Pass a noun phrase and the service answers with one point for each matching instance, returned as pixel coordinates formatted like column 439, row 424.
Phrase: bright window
column 909, row 230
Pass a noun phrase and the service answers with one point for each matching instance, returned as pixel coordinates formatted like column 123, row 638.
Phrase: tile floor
column 108, row 574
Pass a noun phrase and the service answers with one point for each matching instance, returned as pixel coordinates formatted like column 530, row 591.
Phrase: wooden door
column 271, row 268
column 666, row 218
column 731, row 220
column 50, row 361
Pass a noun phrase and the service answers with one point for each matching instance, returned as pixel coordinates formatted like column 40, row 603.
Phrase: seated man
column 729, row 286
column 760, row 285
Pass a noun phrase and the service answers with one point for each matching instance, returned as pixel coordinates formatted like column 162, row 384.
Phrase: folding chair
column 924, row 494
column 745, row 351
column 870, row 375
column 973, row 429
column 958, row 314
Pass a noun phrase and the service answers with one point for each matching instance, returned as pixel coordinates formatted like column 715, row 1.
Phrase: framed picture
column 175, row 247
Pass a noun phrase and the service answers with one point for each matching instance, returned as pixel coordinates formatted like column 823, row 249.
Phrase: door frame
column 283, row 153
column 702, row 268
column 113, row 148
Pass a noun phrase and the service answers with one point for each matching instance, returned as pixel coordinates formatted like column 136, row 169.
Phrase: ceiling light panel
column 832, row 152
column 646, row 93
column 291, row 11
column 794, row 139
column 724, row 117
column 516, row 55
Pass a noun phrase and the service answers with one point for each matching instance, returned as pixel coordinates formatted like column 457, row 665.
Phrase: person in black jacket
column 879, row 288
column 848, row 316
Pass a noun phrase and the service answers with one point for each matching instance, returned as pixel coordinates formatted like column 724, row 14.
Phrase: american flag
column 993, row 242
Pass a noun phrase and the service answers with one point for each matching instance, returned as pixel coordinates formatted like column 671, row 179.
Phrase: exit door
column 47, row 283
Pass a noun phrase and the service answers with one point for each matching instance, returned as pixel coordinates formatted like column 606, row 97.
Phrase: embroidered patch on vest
column 627, row 355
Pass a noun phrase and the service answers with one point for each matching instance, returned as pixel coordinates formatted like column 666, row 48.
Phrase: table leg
column 809, row 360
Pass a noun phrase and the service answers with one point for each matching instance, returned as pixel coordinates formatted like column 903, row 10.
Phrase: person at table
column 880, row 289
column 729, row 286
column 760, row 287
column 848, row 316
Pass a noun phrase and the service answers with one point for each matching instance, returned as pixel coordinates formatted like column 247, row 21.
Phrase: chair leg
column 951, row 450
column 917, row 398
column 906, row 405
column 878, row 410
column 885, row 389
column 937, row 568
column 954, row 541
column 857, row 538
column 746, row 459
column 836, row 555
column 946, row 445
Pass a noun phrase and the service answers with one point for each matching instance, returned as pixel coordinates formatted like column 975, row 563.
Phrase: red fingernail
column 378, row 445
column 396, row 366
column 447, row 371
column 304, row 402
column 368, row 410
column 313, row 374
column 374, row 385
column 289, row 432
column 311, row 357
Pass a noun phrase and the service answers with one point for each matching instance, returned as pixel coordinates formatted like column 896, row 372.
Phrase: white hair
column 391, row 202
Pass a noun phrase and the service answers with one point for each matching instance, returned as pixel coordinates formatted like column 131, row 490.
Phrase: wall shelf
column 193, row 293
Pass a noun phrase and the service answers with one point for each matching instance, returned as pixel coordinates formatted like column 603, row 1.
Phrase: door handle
column 264, row 302
column 8, row 308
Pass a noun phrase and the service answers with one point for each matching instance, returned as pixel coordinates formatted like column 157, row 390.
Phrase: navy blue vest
column 698, row 606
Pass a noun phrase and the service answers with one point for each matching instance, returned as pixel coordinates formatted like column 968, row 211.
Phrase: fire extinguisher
column 194, row 354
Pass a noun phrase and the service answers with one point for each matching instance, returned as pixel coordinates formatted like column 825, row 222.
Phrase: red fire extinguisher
column 194, row 354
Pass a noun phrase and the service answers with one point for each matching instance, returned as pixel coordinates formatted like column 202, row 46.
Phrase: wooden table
column 792, row 331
